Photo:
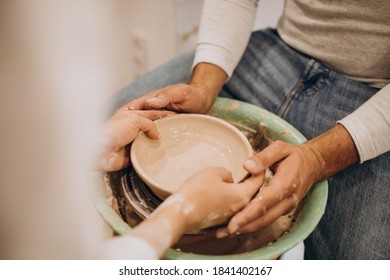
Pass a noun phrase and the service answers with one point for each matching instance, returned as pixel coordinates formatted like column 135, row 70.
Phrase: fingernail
column 221, row 234
column 131, row 107
column 234, row 229
column 250, row 164
column 155, row 101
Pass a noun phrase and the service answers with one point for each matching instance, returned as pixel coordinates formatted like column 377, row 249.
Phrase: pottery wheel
column 141, row 198
column 142, row 201
column 132, row 191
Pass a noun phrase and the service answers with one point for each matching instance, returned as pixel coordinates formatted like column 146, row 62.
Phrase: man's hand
column 196, row 97
column 296, row 169
column 120, row 130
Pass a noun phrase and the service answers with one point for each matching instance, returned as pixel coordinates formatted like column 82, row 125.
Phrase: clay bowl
column 189, row 143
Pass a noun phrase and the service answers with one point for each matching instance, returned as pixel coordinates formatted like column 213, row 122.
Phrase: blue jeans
column 356, row 224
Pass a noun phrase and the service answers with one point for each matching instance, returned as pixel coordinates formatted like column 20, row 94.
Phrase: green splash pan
column 246, row 117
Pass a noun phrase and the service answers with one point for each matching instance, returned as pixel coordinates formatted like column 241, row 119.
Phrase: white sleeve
column 128, row 247
column 225, row 28
column 369, row 125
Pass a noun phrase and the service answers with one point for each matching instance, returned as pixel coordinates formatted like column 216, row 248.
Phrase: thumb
column 266, row 158
column 169, row 95
column 149, row 128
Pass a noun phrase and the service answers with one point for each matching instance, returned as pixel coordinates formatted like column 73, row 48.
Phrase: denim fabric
column 356, row 224
column 174, row 72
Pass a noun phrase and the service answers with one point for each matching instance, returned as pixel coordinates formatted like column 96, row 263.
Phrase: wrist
column 210, row 77
column 334, row 150
column 102, row 155
column 316, row 161
column 177, row 210
column 170, row 220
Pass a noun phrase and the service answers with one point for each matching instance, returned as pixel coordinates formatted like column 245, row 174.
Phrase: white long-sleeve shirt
column 350, row 37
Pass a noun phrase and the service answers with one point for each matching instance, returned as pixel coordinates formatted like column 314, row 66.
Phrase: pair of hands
column 296, row 168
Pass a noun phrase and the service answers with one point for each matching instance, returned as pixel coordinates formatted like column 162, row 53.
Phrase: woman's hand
column 210, row 197
column 120, row 130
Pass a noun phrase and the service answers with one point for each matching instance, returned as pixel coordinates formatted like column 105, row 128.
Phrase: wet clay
column 209, row 245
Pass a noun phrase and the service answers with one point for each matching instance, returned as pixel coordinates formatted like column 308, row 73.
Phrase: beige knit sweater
column 350, row 36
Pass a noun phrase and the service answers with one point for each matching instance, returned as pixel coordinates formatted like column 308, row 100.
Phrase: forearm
column 362, row 135
column 163, row 229
column 335, row 151
column 105, row 153
column 209, row 76
column 369, row 125
column 225, row 29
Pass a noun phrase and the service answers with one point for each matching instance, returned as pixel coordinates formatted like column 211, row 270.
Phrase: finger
column 169, row 96
column 267, row 157
column 148, row 127
column 139, row 103
column 282, row 208
column 221, row 232
column 253, row 184
column 278, row 189
column 155, row 114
